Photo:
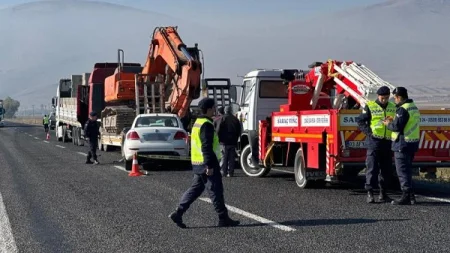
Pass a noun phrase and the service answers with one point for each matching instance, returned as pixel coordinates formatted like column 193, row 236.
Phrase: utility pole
column 33, row 114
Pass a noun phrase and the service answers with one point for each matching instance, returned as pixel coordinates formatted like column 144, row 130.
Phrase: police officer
column 91, row 134
column 378, row 141
column 205, row 155
column 45, row 123
column 405, row 127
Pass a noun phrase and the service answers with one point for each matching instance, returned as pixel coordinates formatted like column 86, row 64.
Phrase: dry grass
column 27, row 120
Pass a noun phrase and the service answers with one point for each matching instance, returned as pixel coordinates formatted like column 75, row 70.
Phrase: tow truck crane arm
column 181, row 67
column 350, row 79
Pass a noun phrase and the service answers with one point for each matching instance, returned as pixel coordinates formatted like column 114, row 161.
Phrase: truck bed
column 67, row 111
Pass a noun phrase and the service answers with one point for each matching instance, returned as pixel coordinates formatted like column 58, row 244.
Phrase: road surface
column 50, row 201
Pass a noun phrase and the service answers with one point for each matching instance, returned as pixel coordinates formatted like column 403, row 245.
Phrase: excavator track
column 116, row 118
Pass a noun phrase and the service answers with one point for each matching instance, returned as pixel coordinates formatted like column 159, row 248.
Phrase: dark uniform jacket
column 398, row 125
column 364, row 125
column 91, row 130
column 229, row 130
column 207, row 138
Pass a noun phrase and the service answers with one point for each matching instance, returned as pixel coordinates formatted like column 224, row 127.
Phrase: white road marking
column 7, row 242
column 46, row 142
column 284, row 171
column 255, row 217
column 60, row 146
column 36, row 138
column 120, row 168
column 435, row 199
column 81, row 153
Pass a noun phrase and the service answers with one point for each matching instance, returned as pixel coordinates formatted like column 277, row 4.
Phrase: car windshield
column 156, row 121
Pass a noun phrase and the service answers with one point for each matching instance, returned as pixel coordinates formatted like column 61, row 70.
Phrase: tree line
column 10, row 106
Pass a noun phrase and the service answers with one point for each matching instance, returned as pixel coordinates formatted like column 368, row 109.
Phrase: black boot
column 412, row 197
column 228, row 222
column 177, row 218
column 383, row 196
column 89, row 161
column 404, row 200
column 370, row 198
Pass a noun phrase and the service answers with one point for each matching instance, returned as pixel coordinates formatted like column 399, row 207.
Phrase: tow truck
column 315, row 135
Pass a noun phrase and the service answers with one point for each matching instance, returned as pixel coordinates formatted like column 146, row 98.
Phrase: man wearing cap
column 205, row 156
column 91, row 134
column 405, row 127
column 378, row 142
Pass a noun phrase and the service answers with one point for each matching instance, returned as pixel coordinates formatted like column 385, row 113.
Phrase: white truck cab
column 262, row 93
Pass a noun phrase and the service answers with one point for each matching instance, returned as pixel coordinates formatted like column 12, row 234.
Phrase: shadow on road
column 317, row 222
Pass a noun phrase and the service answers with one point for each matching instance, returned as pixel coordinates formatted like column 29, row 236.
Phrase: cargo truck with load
column 315, row 134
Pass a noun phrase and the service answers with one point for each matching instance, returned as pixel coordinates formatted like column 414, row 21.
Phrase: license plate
column 156, row 137
column 356, row 144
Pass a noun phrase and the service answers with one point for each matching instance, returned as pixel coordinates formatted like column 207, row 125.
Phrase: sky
column 233, row 11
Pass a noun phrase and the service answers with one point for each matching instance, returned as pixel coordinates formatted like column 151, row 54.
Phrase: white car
column 155, row 134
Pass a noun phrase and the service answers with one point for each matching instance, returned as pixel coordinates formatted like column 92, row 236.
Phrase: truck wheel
column 247, row 165
column 64, row 135
column 300, row 171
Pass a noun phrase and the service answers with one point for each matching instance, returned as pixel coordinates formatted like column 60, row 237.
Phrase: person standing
column 378, row 142
column 91, row 134
column 205, row 155
column 229, row 131
column 45, row 122
column 405, row 127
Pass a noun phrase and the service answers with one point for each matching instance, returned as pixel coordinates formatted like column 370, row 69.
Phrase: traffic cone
column 48, row 136
column 135, row 172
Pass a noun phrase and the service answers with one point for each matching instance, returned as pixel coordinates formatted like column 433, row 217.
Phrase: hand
column 387, row 121
column 209, row 172
column 389, row 118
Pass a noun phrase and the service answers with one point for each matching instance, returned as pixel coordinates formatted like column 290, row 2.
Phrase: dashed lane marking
column 36, row 138
column 255, row 217
column 60, row 146
column 435, row 199
column 120, row 168
column 46, row 142
column 7, row 242
column 81, row 153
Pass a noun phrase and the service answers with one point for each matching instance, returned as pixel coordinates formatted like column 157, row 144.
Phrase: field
column 27, row 120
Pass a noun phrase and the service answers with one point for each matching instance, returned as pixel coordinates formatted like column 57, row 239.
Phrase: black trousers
column 215, row 189
column 93, row 145
column 403, row 165
column 228, row 158
column 379, row 168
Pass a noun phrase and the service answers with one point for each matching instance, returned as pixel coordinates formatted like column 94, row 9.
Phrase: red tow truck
column 316, row 134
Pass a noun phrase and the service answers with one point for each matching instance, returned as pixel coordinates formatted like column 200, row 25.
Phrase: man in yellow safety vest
column 205, row 156
column 405, row 127
column 378, row 143
column 45, row 122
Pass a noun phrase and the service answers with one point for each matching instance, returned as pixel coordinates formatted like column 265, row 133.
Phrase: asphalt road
column 50, row 201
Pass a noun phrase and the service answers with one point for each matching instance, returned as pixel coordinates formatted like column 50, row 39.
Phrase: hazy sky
column 234, row 10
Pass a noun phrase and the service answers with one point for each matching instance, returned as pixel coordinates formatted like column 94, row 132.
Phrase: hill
column 404, row 41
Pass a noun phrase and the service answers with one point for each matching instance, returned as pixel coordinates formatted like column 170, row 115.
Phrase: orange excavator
column 172, row 65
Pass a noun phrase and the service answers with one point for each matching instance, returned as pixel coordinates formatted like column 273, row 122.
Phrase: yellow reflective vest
column 378, row 114
column 412, row 128
column 196, row 144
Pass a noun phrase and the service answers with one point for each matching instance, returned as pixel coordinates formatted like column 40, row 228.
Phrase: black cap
column 221, row 110
column 206, row 103
column 383, row 91
column 400, row 91
column 93, row 114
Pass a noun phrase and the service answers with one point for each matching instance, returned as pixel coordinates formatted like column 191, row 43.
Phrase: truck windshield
column 156, row 121
column 272, row 89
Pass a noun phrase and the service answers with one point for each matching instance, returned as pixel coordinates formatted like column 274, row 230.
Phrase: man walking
column 91, row 134
column 405, row 129
column 205, row 152
column 229, row 131
column 378, row 141
column 45, row 122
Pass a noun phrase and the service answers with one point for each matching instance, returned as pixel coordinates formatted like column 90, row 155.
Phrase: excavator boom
column 178, row 65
